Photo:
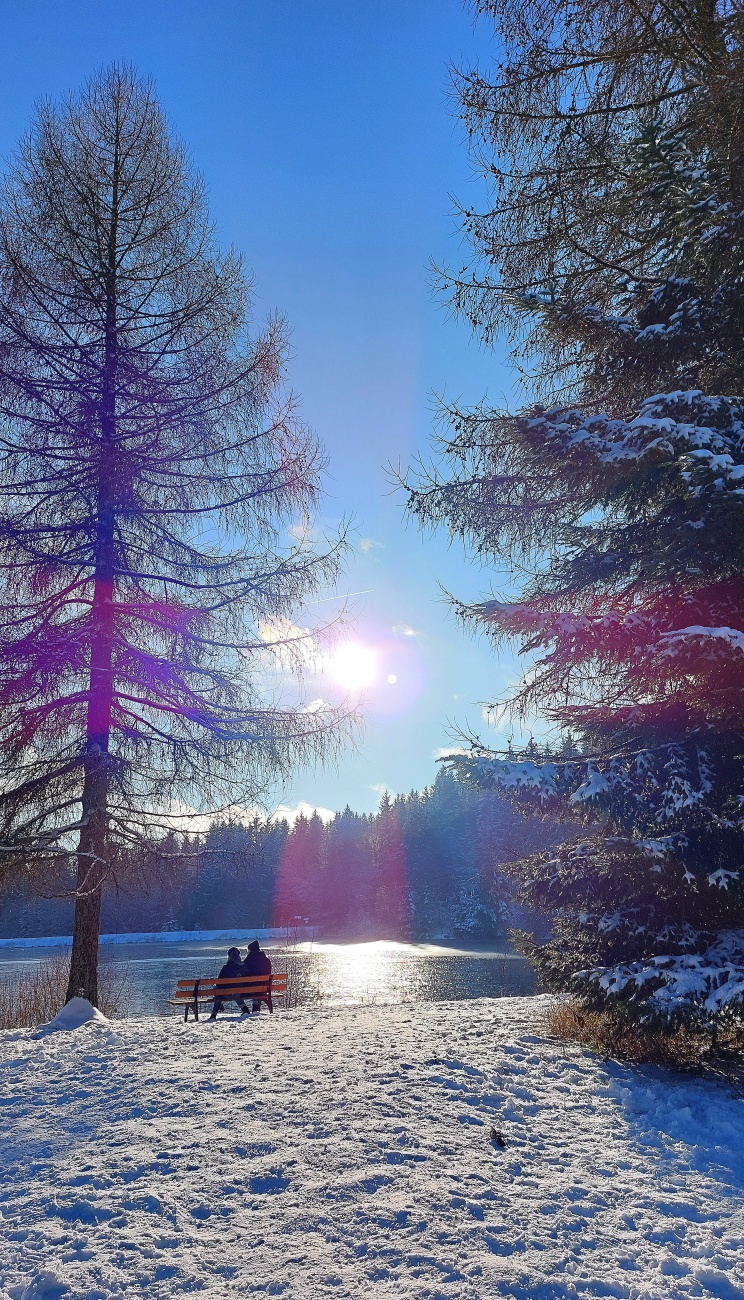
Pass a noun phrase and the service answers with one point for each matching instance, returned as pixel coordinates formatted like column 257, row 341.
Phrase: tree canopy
column 612, row 138
column 151, row 463
column 610, row 246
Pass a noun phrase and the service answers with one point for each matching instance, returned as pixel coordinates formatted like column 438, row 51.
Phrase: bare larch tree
column 151, row 463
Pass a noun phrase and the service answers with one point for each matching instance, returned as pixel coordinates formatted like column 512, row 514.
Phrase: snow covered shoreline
column 151, row 936
column 346, row 1152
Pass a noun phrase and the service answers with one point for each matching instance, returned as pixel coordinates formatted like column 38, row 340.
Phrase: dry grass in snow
column 34, row 997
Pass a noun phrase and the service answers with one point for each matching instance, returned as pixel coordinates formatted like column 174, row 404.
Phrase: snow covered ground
column 346, row 1152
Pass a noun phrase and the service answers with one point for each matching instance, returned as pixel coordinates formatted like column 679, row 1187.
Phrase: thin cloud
column 317, row 705
column 285, row 813
column 381, row 789
column 369, row 544
column 493, row 716
column 292, row 647
column 303, row 531
column 404, row 629
column 183, row 818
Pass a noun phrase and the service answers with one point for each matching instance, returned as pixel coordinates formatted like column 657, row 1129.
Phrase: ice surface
column 347, row 1152
column 368, row 947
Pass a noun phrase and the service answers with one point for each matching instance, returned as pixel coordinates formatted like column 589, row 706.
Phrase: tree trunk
column 92, row 849
column 91, row 870
column 92, row 856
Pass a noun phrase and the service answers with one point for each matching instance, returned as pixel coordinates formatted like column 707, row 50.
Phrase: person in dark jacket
column 232, row 969
column 257, row 963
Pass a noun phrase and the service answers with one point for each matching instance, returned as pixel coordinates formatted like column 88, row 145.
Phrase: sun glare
column 354, row 666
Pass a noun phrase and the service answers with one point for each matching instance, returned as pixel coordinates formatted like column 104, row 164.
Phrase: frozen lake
column 334, row 973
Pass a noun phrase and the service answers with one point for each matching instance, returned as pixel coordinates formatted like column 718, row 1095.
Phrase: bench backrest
column 244, row 986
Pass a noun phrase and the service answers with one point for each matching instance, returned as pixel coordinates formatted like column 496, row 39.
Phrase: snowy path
column 346, row 1153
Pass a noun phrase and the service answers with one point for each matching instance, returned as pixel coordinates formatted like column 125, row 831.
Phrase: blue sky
column 331, row 156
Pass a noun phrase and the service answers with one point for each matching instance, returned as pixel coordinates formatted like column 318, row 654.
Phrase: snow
column 151, row 936
column 346, row 1152
column 704, row 434
column 76, row 1013
column 699, row 984
column 508, row 774
column 595, row 784
column 731, row 635
column 661, row 782
column 45, row 1286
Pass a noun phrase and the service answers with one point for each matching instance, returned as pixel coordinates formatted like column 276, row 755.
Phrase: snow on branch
column 707, row 431
column 661, row 783
column 689, row 985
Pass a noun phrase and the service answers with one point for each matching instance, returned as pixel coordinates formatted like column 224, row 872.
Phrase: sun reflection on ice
column 366, row 976
column 379, row 970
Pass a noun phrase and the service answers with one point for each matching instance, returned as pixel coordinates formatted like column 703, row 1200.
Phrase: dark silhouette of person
column 232, row 969
column 257, row 963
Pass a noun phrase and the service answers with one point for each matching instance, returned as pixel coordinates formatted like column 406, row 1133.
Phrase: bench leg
column 186, row 1013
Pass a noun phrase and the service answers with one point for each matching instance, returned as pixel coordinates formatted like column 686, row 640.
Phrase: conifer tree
column 616, row 252
column 391, row 871
column 150, row 465
column 611, row 141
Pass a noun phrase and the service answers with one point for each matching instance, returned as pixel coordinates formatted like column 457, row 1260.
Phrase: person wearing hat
column 232, row 969
column 257, row 963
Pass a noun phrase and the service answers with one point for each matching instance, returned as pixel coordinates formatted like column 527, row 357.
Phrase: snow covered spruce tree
column 150, row 464
column 636, row 630
column 614, row 253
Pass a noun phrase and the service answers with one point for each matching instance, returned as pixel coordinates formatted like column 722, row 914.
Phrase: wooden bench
column 192, row 994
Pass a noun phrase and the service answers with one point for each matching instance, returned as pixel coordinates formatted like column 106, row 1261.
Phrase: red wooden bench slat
column 223, row 990
column 220, row 985
column 237, row 979
column 207, row 994
column 227, row 989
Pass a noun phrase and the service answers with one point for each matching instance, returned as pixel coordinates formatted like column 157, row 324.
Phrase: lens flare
column 354, row 666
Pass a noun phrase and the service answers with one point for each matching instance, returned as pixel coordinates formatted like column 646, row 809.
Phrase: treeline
column 426, row 866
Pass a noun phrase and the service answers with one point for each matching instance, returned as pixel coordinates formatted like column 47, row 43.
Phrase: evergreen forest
column 426, row 866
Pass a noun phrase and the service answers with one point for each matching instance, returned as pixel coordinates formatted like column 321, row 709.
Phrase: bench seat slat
column 225, row 995
column 223, row 985
column 227, row 988
column 205, row 1002
column 233, row 984
column 236, row 979
column 223, row 991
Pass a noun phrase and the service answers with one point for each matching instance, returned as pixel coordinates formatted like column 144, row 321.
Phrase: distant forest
column 426, row 866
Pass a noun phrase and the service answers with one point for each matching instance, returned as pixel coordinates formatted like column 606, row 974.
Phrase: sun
column 354, row 666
